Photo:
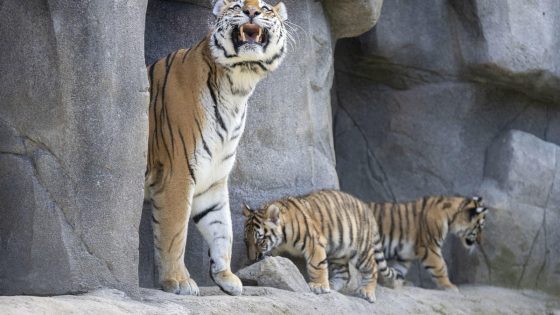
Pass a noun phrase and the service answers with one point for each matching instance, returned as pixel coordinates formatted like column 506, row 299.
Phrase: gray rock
column 350, row 18
column 259, row 300
column 72, row 145
column 519, row 248
column 287, row 147
column 423, row 97
column 276, row 272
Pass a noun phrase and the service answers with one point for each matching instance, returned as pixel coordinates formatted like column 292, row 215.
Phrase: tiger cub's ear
column 273, row 213
column 280, row 9
column 218, row 6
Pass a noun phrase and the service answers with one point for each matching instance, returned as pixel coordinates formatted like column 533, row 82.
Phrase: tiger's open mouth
column 249, row 33
column 470, row 240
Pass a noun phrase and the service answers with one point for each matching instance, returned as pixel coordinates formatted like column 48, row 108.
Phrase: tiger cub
column 330, row 229
column 416, row 230
column 198, row 106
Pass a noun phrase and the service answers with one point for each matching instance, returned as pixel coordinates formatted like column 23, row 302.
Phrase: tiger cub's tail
column 391, row 277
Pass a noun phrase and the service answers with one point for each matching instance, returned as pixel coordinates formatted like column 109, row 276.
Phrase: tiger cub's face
column 469, row 222
column 249, row 31
column 263, row 231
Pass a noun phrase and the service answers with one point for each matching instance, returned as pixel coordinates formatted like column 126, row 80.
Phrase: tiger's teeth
column 259, row 36
column 242, row 33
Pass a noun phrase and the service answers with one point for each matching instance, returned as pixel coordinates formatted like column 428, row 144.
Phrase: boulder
column 73, row 124
column 519, row 248
column 276, row 272
column 350, row 18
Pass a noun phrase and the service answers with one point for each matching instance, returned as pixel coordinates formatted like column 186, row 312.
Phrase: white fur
column 282, row 11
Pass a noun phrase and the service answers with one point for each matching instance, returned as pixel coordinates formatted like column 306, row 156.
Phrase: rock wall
column 73, row 105
column 421, row 104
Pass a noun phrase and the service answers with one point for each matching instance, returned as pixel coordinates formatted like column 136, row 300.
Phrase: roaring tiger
column 330, row 229
column 197, row 114
column 416, row 230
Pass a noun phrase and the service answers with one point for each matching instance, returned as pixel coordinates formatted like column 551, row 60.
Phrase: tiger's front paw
column 183, row 287
column 228, row 282
column 368, row 295
column 319, row 288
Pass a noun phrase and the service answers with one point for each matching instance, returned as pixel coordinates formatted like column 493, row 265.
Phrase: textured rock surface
column 422, row 97
column 349, row 18
column 257, row 300
column 287, row 147
column 72, row 144
column 274, row 272
column 521, row 181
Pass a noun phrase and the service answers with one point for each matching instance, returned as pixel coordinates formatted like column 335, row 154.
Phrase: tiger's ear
column 273, row 213
column 476, row 211
column 247, row 210
column 218, row 6
column 280, row 9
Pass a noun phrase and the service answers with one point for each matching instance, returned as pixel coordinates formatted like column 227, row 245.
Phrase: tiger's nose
column 251, row 12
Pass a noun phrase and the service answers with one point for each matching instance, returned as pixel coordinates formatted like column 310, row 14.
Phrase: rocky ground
column 263, row 300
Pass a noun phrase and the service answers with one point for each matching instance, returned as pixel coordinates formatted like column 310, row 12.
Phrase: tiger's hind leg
column 212, row 216
column 170, row 212
column 339, row 275
column 367, row 266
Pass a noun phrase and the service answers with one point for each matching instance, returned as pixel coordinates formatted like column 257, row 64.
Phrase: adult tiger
column 416, row 230
column 196, row 117
column 330, row 229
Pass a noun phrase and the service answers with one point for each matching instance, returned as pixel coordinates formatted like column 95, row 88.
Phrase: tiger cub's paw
column 368, row 295
column 319, row 288
column 183, row 287
column 228, row 282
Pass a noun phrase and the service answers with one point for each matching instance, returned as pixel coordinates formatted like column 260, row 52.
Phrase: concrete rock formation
column 522, row 182
column 350, row 18
column 422, row 97
column 262, row 300
column 274, row 272
column 73, row 134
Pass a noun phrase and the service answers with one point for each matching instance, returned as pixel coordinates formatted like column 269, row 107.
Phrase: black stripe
column 154, row 107
column 276, row 56
column 187, row 156
column 186, row 54
column 215, row 100
column 217, row 44
column 216, row 222
column 204, row 145
column 207, row 189
column 250, row 63
column 229, row 156
column 200, row 216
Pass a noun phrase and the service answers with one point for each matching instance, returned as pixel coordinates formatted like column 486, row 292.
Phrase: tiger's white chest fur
column 224, row 128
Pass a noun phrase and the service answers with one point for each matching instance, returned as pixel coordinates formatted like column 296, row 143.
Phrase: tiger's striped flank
column 330, row 229
column 416, row 230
